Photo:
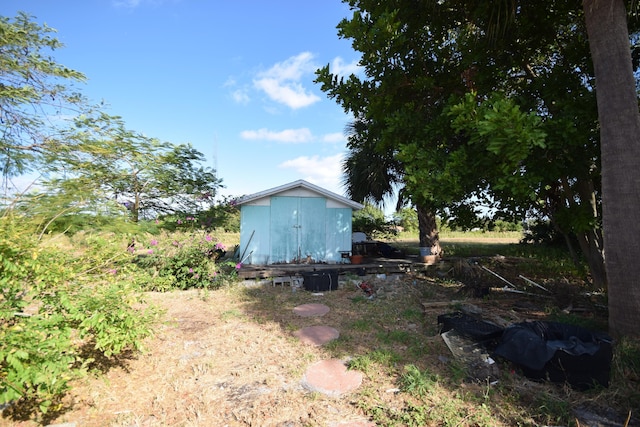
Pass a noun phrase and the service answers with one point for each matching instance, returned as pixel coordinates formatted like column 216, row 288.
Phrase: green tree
column 407, row 218
column 102, row 161
column 371, row 221
column 34, row 92
column 527, row 84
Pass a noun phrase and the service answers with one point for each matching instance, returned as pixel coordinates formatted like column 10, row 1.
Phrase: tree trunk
column 428, row 229
column 619, row 118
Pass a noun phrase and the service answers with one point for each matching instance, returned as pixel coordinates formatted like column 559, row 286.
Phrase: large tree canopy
column 98, row 156
column 491, row 104
column 486, row 109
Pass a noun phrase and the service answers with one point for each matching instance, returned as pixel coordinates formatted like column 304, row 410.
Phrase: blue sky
column 232, row 77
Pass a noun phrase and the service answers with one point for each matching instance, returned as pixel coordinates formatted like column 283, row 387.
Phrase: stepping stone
column 331, row 377
column 310, row 310
column 317, row 335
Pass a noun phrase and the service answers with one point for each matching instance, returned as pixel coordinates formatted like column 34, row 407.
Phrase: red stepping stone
column 331, row 377
column 317, row 335
column 309, row 310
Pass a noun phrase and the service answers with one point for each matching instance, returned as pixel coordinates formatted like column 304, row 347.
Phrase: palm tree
column 372, row 172
column 620, row 150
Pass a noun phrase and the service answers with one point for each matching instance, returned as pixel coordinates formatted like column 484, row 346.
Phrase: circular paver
column 317, row 335
column 309, row 310
column 331, row 377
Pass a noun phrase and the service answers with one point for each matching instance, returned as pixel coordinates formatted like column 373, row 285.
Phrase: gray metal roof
column 299, row 184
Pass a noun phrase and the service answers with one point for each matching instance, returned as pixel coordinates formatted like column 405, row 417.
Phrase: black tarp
column 558, row 352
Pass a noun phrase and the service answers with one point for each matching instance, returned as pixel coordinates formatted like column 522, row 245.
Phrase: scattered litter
column 393, row 390
column 500, row 277
column 366, row 288
column 317, row 294
column 531, row 282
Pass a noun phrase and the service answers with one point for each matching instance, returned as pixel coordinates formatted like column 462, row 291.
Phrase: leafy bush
column 183, row 261
column 371, row 221
column 60, row 310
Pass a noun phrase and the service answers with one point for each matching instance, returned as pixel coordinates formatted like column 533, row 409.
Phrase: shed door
column 297, row 228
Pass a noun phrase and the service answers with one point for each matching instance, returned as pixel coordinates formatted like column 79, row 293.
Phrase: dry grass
column 230, row 358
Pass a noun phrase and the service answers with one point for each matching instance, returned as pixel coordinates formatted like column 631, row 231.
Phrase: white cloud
column 240, row 96
column 294, row 136
column 340, row 68
column 282, row 84
column 334, row 138
column 323, row 171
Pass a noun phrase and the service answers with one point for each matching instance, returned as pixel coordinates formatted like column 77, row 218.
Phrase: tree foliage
column 99, row 159
column 35, row 92
column 487, row 108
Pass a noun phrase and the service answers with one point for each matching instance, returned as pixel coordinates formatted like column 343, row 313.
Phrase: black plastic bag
column 558, row 352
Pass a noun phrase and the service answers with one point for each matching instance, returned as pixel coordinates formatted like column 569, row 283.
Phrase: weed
column 361, row 363
column 231, row 314
column 359, row 299
column 416, row 382
column 552, row 410
column 361, row 325
column 412, row 314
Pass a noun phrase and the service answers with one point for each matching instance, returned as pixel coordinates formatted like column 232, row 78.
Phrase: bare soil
column 230, row 357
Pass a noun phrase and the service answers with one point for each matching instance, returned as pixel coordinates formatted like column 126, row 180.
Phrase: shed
column 294, row 223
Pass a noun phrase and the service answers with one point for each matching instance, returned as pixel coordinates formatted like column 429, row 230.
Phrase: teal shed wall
column 292, row 228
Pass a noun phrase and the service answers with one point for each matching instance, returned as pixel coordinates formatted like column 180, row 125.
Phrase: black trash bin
column 320, row 281
column 558, row 352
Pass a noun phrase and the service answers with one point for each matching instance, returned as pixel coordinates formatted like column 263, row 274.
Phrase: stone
column 311, row 310
column 317, row 335
column 332, row 378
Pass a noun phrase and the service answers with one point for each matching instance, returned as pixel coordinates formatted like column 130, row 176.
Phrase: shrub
column 183, row 261
column 60, row 311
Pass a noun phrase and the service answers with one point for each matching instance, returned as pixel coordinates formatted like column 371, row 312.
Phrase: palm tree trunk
column 428, row 229
column 619, row 118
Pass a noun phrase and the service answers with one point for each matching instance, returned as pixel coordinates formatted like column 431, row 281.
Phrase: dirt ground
column 230, row 357
column 217, row 360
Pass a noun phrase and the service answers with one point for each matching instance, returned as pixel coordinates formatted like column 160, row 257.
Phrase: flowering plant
column 186, row 261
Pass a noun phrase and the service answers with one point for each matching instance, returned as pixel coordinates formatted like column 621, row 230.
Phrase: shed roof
column 299, row 184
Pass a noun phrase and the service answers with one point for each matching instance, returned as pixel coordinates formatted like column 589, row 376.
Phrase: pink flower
column 220, row 246
column 150, row 251
column 179, row 221
column 153, row 242
column 208, row 238
column 238, row 266
column 191, row 270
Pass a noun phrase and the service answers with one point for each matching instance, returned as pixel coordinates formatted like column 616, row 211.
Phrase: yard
column 230, row 357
